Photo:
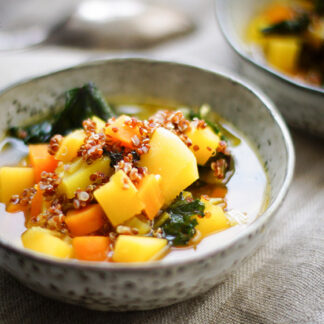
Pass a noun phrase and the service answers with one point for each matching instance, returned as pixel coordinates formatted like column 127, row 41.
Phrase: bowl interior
column 144, row 81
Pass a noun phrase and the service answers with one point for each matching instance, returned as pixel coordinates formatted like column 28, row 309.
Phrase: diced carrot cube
column 150, row 194
column 12, row 208
column 279, row 12
column 41, row 160
column 91, row 248
column 120, row 131
column 85, row 221
column 36, row 204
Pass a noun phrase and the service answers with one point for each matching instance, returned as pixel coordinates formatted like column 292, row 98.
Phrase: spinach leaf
column 180, row 226
column 80, row 104
column 294, row 26
column 37, row 133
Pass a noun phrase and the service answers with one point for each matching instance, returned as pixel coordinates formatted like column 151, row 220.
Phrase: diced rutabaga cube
column 80, row 177
column 13, row 181
column 214, row 220
column 172, row 160
column 44, row 241
column 130, row 248
column 100, row 123
column 70, row 146
column 204, row 142
column 141, row 223
column 119, row 199
column 283, row 53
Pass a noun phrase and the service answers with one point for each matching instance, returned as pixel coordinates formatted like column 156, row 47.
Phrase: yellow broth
column 246, row 191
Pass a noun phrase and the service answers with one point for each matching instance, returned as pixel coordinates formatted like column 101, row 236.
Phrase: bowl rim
column 276, row 73
column 147, row 266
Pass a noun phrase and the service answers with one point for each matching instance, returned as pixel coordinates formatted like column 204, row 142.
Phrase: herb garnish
column 180, row 226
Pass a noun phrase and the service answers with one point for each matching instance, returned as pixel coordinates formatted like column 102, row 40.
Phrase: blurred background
column 38, row 36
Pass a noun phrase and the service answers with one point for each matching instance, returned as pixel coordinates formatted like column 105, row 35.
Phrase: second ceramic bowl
column 302, row 105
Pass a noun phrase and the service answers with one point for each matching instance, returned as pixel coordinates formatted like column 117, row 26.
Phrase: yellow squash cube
column 283, row 52
column 254, row 33
column 78, row 176
column 119, row 199
column 70, row 146
column 100, row 123
column 172, row 160
column 63, row 170
column 214, row 220
column 204, row 142
column 142, row 224
column 130, row 248
column 13, row 181
column 44, row 241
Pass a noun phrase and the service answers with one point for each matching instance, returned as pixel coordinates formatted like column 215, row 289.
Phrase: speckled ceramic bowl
column 302, row 105
column 105, row 286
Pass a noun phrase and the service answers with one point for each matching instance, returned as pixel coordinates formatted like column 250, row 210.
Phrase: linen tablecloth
column 283, row 282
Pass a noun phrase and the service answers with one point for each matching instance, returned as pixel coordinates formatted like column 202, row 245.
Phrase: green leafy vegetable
column 37, row 133
column 80, row 104
column 179, row 228
column 159, row 221
column 115, row 157
column 294, row 26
